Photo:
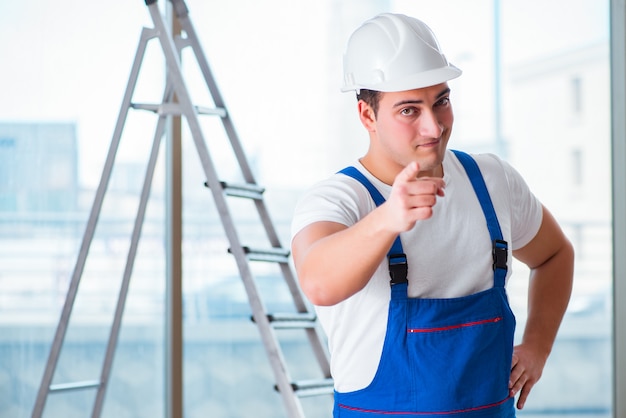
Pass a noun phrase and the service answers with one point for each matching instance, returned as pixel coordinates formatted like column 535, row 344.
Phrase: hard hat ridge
column 394, row 52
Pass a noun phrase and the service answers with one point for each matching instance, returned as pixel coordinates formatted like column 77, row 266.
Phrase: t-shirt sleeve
column 336, row 199
column 526, row 209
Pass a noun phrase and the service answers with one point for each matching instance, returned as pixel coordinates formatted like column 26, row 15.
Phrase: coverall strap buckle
column 398, row 268
column 500, row 254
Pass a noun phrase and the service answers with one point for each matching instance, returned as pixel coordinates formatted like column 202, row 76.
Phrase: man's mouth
column 432, row 143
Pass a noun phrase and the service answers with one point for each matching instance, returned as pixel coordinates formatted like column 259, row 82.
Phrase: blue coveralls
column 441, row 357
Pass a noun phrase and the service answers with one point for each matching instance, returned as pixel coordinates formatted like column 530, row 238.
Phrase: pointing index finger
column 410, row 171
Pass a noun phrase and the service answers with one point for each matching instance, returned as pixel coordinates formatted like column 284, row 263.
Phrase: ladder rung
column 296, row 320
column 218, row 111
column 277, row 255
column 175, row 109
column 86, row 384
column 250, row 191
column 146, row 106
column 315, row 387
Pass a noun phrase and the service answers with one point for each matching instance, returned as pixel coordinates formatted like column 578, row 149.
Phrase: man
column 405, row 255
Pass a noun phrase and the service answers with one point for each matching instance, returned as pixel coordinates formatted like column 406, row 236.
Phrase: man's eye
column 443, row 102
column 408, row 111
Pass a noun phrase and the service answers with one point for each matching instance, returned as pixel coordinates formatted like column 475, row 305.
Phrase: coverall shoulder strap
column 500, row 247
column 360, row 177
column 480, row 188
column 397, row 259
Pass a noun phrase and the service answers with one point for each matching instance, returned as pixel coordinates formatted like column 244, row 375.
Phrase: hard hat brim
column 412, row 82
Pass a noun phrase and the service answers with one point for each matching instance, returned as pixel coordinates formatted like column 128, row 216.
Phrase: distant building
column 558, row 130
column 39, row 167
column 558, row 136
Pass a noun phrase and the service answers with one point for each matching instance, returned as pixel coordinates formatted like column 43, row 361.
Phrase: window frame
column 618, row 156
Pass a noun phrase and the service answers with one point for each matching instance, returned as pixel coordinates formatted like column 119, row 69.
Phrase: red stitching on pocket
column 451, row 327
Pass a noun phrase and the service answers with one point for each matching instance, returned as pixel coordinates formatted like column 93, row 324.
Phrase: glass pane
column 558, row 98
column 63, row 75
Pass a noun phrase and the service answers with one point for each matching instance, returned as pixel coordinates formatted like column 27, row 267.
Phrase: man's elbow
column 565, row 256
column 569, row 256
column 318, row 292
column 561, row 263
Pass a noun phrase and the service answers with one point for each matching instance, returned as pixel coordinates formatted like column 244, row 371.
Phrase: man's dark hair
column 371, row 97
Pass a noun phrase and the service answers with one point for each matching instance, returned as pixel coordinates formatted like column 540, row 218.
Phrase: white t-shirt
column 449, row 255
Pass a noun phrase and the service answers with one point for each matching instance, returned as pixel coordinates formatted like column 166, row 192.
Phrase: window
column 523, row 95
column 577, row 95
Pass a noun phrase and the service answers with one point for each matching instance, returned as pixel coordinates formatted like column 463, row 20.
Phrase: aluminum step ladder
column 176, row 101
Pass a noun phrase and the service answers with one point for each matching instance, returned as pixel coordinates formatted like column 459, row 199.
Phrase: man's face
column 413, row 125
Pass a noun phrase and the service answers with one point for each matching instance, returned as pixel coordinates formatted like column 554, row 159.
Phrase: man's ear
column 367, row 116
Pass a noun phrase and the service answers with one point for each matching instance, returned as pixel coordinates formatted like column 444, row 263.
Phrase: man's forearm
column 549, row 292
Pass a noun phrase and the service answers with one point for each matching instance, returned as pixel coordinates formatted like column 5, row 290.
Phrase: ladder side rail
column 189, row 29
column 209, row 79
column 267, row 333
column 267, row 224
column 314, row 335
column 320, row 350
column 300, row 302
column 94, row 215
column 130, row 262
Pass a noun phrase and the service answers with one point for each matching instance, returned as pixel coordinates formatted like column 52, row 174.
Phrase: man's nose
column 430, row 125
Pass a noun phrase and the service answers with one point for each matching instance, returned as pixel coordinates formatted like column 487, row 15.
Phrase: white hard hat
column 394, row 52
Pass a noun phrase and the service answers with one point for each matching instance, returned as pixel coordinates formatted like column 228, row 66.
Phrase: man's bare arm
column 550, row 257
column 334, row 262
